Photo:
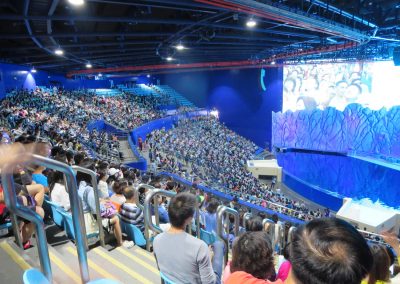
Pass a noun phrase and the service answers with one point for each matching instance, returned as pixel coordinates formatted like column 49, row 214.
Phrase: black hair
column 286, row 251
column 128, row 193
column 328, row 251
column 181, row 207
column 78, row 158
column 252, row 253
column 170, row 185
column 212, row 206
column 254, row 224
column 119, row 186
column 88, row 164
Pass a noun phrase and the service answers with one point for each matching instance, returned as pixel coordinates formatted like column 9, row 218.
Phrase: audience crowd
column 205, row 149
column 322, row 251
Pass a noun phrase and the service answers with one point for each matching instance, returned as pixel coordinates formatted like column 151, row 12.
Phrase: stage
column 326, row 178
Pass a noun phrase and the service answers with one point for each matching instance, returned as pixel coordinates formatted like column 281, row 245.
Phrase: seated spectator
column 380, row 272
column 39, row 177
column 252, row 259
column 26, row 228
column 188, row 262
column 285, row 266
column 102, row 186
column 129, row 212
column 118, row 197
column 86, row 194
column 254, row 224
column 58, row 192
column 328, row 251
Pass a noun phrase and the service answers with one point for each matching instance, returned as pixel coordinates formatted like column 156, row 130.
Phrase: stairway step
column 132, row 266
column 96, row 271
column 12, row 264
column 62, row 268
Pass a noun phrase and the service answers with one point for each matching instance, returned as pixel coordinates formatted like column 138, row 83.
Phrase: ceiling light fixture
column 76, row 2
column 169, row 58
column 59, row 51
column 88, row 65
column 180, row 47
column 251, row 23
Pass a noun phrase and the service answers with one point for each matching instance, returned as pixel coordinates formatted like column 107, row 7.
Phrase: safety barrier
column 223, row 224
column 228, row 197
column 93, row 180
column 148, row 222
column 23, row 212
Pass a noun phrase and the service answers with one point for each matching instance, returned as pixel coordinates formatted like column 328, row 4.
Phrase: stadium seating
column 133, row 233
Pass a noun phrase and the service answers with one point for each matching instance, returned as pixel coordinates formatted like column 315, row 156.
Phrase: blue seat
column 165, row 279
column 207, row 237
column 55, row 212
column 34, row 276
column 67, row 223
column 133, row 233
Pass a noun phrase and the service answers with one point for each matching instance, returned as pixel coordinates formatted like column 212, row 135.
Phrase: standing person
column 189, row 262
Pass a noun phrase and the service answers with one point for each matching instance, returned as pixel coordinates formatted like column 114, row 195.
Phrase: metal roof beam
column 285, row 15
column 145, row 21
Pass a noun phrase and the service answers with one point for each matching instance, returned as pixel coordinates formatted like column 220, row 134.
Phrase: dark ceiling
column 120, row 33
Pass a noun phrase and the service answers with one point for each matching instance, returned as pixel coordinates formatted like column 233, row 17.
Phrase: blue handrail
column 76, row 208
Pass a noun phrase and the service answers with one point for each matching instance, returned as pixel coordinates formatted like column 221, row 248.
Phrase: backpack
column 107, row 209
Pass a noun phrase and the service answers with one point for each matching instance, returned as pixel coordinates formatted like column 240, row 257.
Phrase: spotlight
column 100, row 75
column 148, row 75
column 76, row 2
column 180, row 47
column 59, row 52
column 33, row 70
column 273, row 63
column 169, row 58
column 88, row 65
column 251, row 23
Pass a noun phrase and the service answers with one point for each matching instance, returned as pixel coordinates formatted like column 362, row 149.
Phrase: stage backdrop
column 352, row 107
column 244, row 98
column 356, row 129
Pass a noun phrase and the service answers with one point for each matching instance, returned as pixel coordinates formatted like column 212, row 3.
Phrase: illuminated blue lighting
column 262, row 76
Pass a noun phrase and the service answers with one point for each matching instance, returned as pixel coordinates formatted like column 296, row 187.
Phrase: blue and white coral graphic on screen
column 371, row 84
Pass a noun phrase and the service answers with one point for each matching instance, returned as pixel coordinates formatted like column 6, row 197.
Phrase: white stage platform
column 265, row 168
column 369, row 218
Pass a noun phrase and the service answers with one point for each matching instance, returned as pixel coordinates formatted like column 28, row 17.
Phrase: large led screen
column 371, row 84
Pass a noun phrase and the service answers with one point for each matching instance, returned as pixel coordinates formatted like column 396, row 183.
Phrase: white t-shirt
column 60, row 196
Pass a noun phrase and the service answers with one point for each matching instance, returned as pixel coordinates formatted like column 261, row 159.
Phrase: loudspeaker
column 396, row 56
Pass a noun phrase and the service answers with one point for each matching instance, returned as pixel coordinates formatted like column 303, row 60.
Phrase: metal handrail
column 271, row 228
column 76, row 209
column 221, row 211
column 246, row 216
column 93, row 180
column 148, row 223
column 292, row 231
column 136, row 193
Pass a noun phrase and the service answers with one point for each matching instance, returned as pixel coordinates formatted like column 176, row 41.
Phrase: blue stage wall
column 238, row 95
column 357, row 130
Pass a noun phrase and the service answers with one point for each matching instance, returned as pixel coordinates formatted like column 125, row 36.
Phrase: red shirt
column 241, row 277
